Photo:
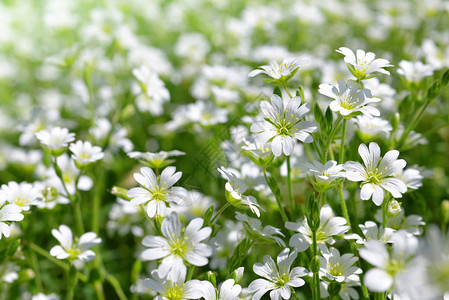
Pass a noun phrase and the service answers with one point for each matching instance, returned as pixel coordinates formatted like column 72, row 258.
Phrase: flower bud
column 211, row 277
column 394, row 209
column 315, row 264
column 120, row 192
column 334, row 288
column 238, row 274
column 445, row 210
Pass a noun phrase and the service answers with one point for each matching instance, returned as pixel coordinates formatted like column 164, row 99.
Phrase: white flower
column 236, row 187
column 322, row 176
column 339, row 268
column 378, row 173
column 227, row 291
column 329, row 226
column 414, row 71
column 84, row 153
column 348, row 99
column 74, row 249
column 387, row 266
column 22, row 194
column 362, row 64
column 156, row 160
column 371, row 232
column 283, row 71
column 255, row 230
column 8, row 213
column 278, row 277
column 41, row 296
column 152, row 91
column 178, row 245
column 280, row 123
column 412, row 178
column 174, row 288
column 156, row 192
column 55, row 140
column 372, row 127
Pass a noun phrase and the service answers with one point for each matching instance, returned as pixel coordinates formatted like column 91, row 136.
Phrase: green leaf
column 329, row 119
column 239, row 254
column 317, row 113
column 208, row 215
column 277, row 91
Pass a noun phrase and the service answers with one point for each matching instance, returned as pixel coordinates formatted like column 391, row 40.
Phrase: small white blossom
column 55, row 140
column 329, row 226
column 255, row 230
column 177, row 246
column 156, row 160
column 412, row 178
column 362, row 65
column 387, row 266
column 228, row 290
column 8, row 213
column 280, row 123
column 277, row 276
column 348, row 99
column 371, row 231
column 84, row 153
column 74, row 249
column 378, row 173
column 22, row 194
column 281, row 72
column 152, row 93
column 174, row 288
column 156, row 192
column 414, row 71
column 324, row 177
column 339, row 267
column 370, row 128
column 236, row 187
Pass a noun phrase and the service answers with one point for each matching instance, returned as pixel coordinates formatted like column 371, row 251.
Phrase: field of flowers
column 215, row 149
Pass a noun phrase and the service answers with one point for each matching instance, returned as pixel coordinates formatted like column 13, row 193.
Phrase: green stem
column 316, row 278
column 290, row 191
column 116, row 285
column 35, row 265
column 412, row 125
column 384, row 214
column 278, row 201
column 286, row 89
column 79, row 217
column 342, row 145
column 56, row 261
column 98, row 286
column 344, row 209
column 222, row 209
column 331, row 138
column 190, row 273
column 72, row 281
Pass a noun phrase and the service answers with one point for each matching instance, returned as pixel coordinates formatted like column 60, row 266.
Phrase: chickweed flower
column 280, row 123
column 371, row 231
column 156, row 192
column 71, row 248
column 8, row 213
column 362, row 65
column 371, row 128
column 55, row 140
column 235, row 189
column 179, row 245
column 227, row 291
column 378, row 173
column 329, row 226
column 152, row 93
column 156, row 160
column 22, row 194
column 281, row 72
column 414, row 71
column 257, row 232
column 339, row 267
column 349, row 100
column 387, row 266
column 278, row 279
column 324, row 177
column 174, row 288
column 84, row 153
